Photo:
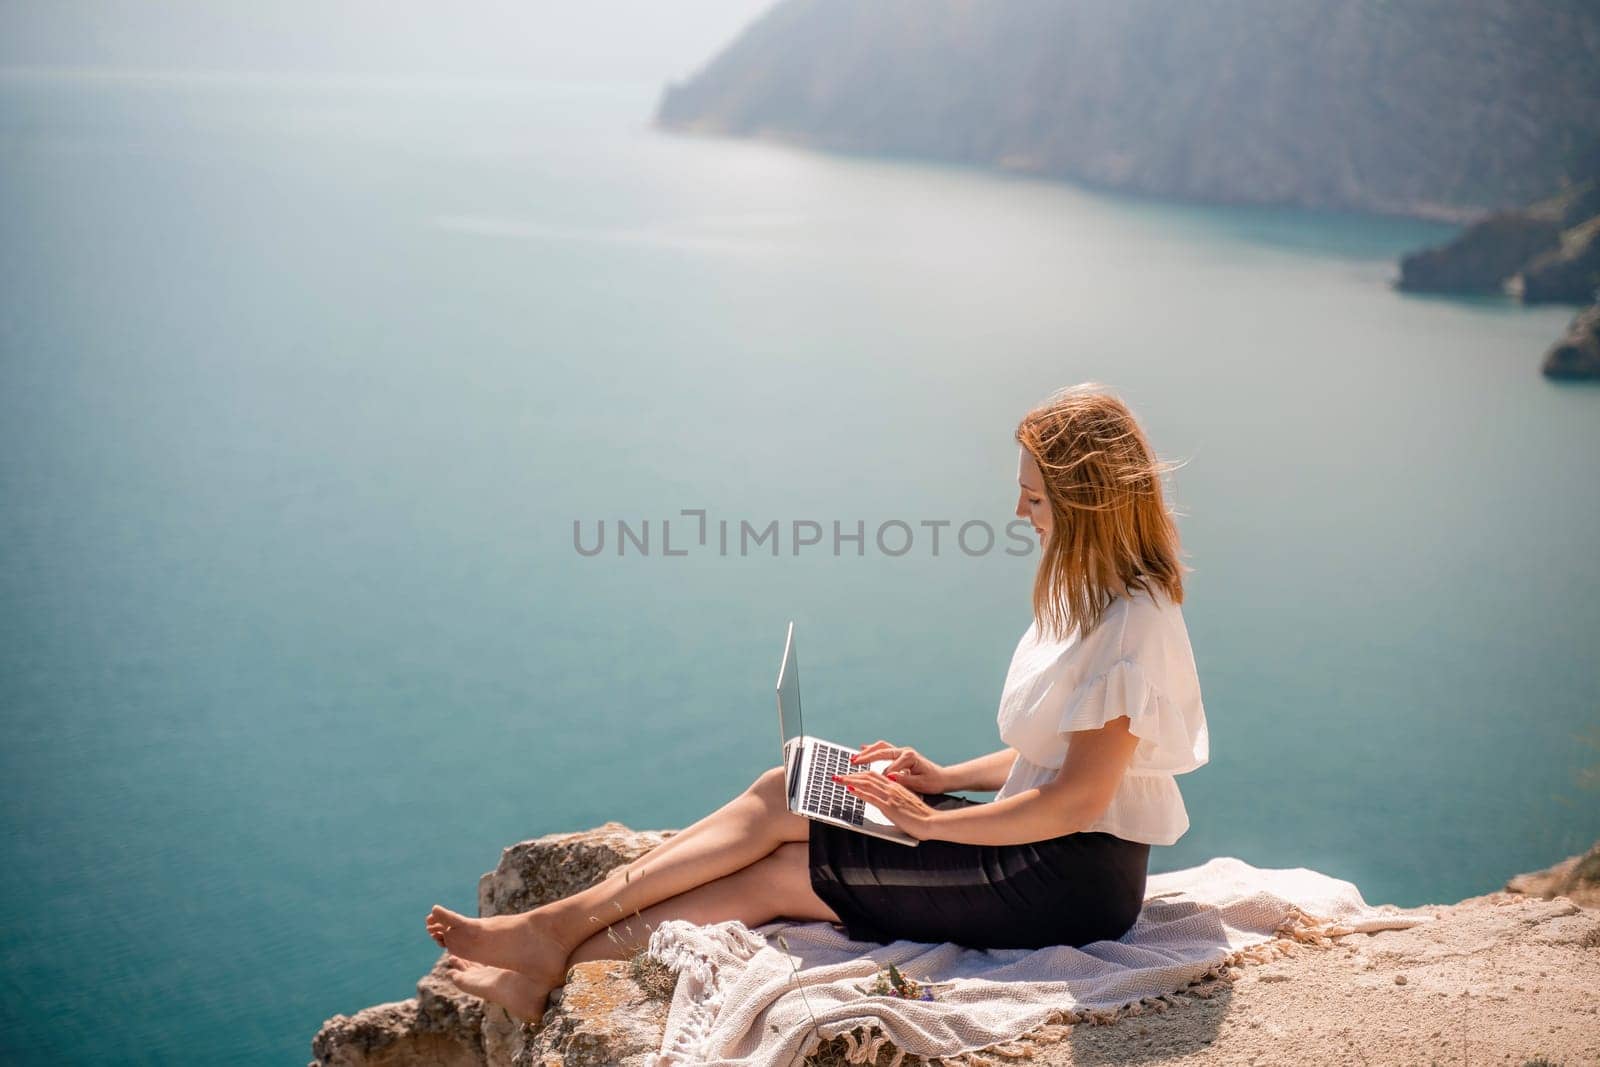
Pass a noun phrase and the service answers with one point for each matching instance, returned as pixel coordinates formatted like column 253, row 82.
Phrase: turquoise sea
column 305, row 381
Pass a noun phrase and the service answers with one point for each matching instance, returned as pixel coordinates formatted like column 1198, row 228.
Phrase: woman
column 1100, row 709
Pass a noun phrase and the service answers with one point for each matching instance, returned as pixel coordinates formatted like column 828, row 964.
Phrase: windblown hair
column 1110, row 527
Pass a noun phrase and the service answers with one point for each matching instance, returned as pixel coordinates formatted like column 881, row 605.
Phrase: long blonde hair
column 1110, row 527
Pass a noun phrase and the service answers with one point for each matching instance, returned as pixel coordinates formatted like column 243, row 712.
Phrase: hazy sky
column 631, row 40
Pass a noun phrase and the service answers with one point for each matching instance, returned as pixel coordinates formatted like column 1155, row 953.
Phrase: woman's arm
column 1032, row 815
column 985, row 774
column 1072, row 801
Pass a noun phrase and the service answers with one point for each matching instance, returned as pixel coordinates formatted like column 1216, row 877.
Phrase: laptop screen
column 789, row 691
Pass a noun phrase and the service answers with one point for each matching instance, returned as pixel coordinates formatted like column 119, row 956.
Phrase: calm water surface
column 305, row 382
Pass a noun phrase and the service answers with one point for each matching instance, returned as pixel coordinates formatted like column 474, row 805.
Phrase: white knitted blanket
column 770, row 996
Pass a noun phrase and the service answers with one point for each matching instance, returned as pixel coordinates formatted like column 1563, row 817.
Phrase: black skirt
column 1068, row 890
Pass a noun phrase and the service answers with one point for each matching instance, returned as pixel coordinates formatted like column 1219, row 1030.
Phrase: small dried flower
column 889, row 982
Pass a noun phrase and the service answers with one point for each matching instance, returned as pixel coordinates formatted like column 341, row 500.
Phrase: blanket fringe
column 698, row 978
column 1298, row 928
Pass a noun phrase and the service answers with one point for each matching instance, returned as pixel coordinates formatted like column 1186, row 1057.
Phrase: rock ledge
column 1505, row 978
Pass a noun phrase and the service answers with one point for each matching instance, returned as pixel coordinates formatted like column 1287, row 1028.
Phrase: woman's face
column 1032, row 504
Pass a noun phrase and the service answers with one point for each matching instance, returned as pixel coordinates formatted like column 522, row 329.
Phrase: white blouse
column 1137, row 662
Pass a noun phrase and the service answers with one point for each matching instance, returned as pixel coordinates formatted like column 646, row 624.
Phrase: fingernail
column 893, row 777
column 835, row 777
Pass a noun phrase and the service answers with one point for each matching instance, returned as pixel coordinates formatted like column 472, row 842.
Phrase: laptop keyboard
column 827, row 797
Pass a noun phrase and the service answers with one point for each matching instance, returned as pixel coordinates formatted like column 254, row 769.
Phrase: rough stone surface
column 443, row 1027
column 1496, row 979
column 600, row 1017
column 1577, row 355
column 548, row 868
column 1568, row 275
column 1577, row 878
column 1546, row 253
column 1483, row 258
column 1571, row 206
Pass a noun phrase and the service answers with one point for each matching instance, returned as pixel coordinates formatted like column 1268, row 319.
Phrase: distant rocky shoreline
column 1514, row 973
column 1417, row 110
column 1546, row 253
column 1388, row 109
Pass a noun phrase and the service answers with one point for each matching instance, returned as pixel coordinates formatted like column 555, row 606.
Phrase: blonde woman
column 1099, row 712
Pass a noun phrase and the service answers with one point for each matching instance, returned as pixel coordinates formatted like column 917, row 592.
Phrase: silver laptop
column 810, row 762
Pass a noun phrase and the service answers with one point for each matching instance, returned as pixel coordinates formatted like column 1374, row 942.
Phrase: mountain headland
column 1443, row 109
column 1474, row 111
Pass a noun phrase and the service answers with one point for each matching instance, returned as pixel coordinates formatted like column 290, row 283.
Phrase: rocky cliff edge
column 1511, row 977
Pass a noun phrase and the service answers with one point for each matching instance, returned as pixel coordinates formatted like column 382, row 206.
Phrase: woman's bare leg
column 730, row 810
column 727, row 811
column 537, row 943
column 776, row 887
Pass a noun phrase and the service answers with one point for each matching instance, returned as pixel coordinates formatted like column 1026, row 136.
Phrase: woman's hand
column 907, row 766
column 899, row 805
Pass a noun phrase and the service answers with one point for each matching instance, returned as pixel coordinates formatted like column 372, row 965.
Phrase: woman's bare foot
column 523, row 943
column 516, row 993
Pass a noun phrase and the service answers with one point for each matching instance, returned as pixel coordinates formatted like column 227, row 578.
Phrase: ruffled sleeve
column 1172, row 735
